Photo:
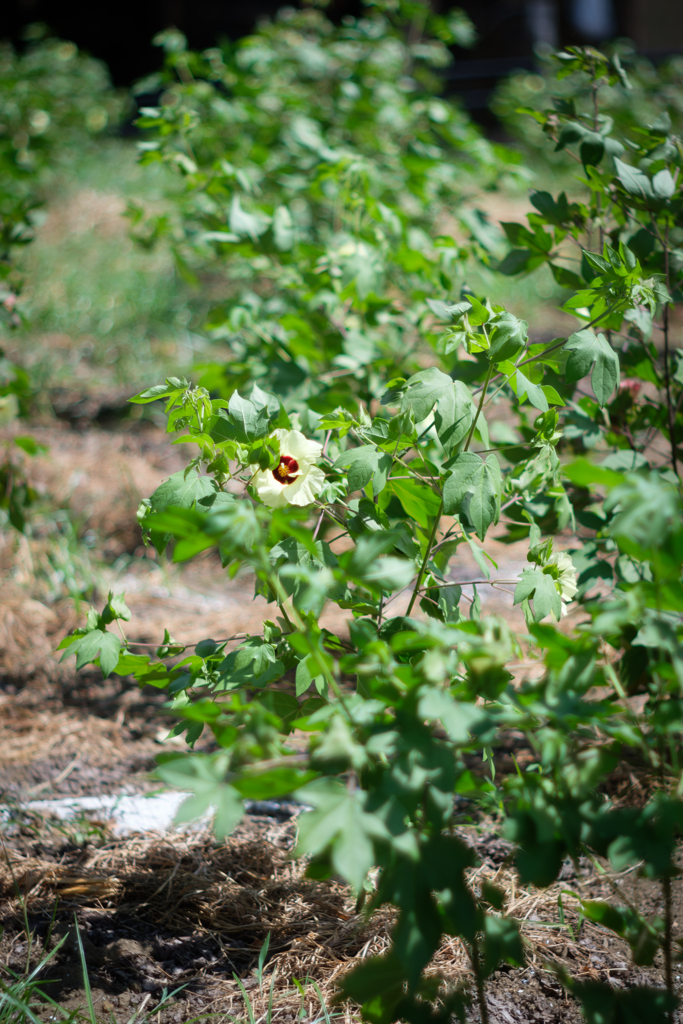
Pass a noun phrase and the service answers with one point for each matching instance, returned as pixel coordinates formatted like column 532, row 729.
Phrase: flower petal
column 305, row 487
column 299, row 447
column 268, row 489
column 567, row 575
column 281, row 434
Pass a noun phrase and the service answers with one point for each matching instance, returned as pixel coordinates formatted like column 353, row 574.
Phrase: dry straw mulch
column 237, row 892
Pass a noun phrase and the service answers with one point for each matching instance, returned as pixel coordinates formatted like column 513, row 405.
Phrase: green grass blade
column 269, row 1013
column 322, row 1002
column 247, row 1001
column 22, row 903
column 261, row 961
column 22, row 1007
column 167, row 996
column 46, row 959
column 86, row 979
column 52, row 924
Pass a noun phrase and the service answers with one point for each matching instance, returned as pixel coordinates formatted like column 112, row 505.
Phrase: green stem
column 428, row 551
column 667, row 374
column 437, row 519
column 485, row 386
column 296, row 622
column 479, row 981
column 668, row 965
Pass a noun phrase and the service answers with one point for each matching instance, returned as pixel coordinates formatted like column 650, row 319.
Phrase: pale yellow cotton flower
column 566, row 580
column 296, row 480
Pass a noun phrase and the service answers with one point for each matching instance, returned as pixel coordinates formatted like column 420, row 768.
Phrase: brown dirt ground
column 161, row 911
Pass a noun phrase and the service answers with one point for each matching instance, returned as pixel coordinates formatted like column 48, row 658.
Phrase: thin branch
column 178, row 643
column 318, row 524
column 467, row 583
column 428, row 551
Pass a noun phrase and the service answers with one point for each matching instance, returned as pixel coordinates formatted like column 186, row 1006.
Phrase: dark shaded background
column 120, row 32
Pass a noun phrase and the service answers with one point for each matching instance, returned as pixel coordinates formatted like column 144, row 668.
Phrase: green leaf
column 641, row 244
column 478, row 314
column 484, row 507
column 592, row 150
column 582, row 473
column 419, row 500
column 518, row 261
column 517, row 234
column 253, row 663
column 480, row 483
column 625, row 461
column 554, row 211
column 377, row 983
column 284, row 705
column 455, row 407
column 338, row 822
column 565, row 278
column 93, row 644
column 188, row 547
column 458, row 719
column 244, row 223
column 131, row 664
column 633, row 180
column 390, row 573
column 551, row 395
column 502, row 941
column 307, row 671
column 29, row 445
column 507, row 338
column 204, row 776
column 284, row 230
column 487, row 234
column 181, row 490
column 250, row 422
column 443, row 603
column 424, row 390
column 338, row 749
column 571, row 132
column 366, row 464
column 453, row 416
column 116, row 608
column 593, row 353
column 533, row 392
column 158, row 391
column 597, row 261
column 441, row 309
column 541, row 587
column 270, row 785
column 663, row 184
column 463, row 470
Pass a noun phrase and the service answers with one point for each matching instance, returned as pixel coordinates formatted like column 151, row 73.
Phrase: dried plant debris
column 160, row 911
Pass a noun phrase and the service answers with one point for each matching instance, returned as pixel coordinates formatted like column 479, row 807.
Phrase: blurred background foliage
column 323, row 177
column 82, row 298
column 85, row 304
column 136, row 268
column 652, row 89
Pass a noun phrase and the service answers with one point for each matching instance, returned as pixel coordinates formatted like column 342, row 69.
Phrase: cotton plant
column 317, row 165
column 397, row 706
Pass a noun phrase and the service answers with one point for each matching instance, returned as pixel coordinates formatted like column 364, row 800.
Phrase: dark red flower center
column 286, row 472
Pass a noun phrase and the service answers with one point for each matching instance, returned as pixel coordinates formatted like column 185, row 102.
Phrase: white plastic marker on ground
column 127, row 813
column 155, row 813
